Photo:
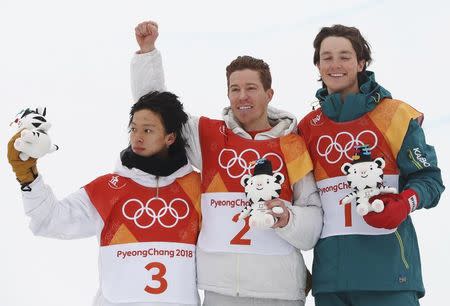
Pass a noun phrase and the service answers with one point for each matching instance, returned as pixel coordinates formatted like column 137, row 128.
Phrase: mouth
column 244, row 107
column 259, row 188
column 138, row 149
column 336, row 75
column 364, row 176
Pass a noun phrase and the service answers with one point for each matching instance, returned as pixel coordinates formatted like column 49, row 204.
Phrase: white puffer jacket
column 76, row 217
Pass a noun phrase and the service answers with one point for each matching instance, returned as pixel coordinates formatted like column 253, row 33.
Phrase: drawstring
column 377, row 99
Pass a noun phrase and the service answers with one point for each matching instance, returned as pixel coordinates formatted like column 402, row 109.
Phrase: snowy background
column 73, row 57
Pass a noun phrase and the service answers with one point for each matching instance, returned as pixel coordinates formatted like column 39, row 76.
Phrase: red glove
column 396, row 209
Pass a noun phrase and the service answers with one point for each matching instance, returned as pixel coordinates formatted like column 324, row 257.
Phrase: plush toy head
column 34, row 140
column 264, row 185
column 364, row 172
column 32, row 119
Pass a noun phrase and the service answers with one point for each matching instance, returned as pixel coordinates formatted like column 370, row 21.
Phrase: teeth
column 337, row 74
column 244, row 107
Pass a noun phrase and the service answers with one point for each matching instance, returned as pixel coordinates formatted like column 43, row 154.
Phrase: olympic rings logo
column 155, row 216
column 241, row 163
column 336, row 144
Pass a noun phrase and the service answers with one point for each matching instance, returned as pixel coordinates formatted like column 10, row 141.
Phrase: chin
column 244, row 120
column 142, row 154
column 335, row 89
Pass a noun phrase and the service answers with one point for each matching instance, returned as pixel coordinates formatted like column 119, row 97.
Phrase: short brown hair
column 359, row 44
column 255, row 64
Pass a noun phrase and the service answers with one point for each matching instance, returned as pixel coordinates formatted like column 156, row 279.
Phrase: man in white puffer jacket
column 146, row 214
column 237, row 265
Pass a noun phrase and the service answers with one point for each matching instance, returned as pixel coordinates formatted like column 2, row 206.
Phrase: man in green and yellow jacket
column 371, row 259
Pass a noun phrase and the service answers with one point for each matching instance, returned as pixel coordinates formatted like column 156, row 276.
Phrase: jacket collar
column 282, row 122
column 355, row 105
column 149, row 180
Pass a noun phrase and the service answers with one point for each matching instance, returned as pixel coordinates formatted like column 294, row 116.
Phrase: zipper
column 402, row 249
column 157, row 187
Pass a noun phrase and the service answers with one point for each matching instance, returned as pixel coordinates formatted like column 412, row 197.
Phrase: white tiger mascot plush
column 34, row 140
column 365, row 177
column 262, row 186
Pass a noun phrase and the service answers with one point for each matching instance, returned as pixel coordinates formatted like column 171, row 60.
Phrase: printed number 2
column 238, row 238
column 159, row 277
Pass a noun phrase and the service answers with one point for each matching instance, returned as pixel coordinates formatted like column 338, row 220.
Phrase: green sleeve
column 418, row 166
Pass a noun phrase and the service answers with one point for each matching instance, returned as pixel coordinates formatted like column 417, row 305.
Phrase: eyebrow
column 146, row 124
column 246, row 84
column 340, row 52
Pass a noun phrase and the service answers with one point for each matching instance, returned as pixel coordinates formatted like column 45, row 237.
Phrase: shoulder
column 397, row 108
column 210, row 122
column 107, row 181
column 313, row 118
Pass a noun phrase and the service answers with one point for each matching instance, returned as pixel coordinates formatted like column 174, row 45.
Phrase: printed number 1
column 159, row 277
column 348, row 214
column 238, row 238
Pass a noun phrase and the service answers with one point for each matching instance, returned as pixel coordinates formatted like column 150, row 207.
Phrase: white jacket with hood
column 75, row 216
column 248, row 271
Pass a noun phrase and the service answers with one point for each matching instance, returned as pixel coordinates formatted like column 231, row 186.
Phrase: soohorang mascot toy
column 264, row 185
column 34, row 140
column 365, row 177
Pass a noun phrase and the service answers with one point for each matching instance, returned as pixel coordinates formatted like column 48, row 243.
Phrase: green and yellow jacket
column 364, row 259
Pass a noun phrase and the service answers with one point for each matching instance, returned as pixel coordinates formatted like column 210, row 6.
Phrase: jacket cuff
column 146, row 54
column 412, row 198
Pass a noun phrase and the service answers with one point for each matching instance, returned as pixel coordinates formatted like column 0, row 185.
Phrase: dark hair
column 359, row 44
column 249, row 62
column 170, row 110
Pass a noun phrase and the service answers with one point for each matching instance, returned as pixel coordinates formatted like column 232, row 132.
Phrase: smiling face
column 148, row 136
column 249, row 99
column 262, row 187
column 364, row 174
column 338, row 65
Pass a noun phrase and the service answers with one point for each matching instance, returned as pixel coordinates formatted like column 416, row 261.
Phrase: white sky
column 73, row 57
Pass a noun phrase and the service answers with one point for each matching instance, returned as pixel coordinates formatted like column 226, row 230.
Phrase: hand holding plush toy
column 397, row 209
column 29, row 143
column 263, row 186
column 33, row 127
column 365, row 177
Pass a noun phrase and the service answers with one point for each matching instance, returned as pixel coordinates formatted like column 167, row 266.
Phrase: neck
column 257, row 126
column 154, row 165
column 346, row 92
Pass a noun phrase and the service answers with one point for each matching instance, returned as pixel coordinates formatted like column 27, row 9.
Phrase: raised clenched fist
column 146, row 34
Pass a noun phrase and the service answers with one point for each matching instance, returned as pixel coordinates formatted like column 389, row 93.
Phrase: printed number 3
column 159, row 277
column 238, row 238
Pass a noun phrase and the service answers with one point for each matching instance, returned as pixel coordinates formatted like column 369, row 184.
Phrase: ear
column 361, row 65
column 269, row 93
column 41, row 110
column 345, row 168
column 244, row 179
column 318, row 66
column 170, row 139
column 380, row 162
column 279, row 177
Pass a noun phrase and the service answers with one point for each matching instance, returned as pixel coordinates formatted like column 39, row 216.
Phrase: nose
column 136, row 138
column 336, row 63
column 243, row 95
